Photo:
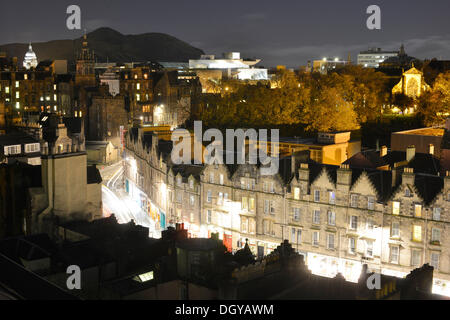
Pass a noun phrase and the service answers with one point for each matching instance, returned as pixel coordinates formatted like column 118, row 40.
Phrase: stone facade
column 338, row 217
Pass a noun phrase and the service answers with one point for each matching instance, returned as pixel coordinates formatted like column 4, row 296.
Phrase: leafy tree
column 402, row 101
column 434, row 105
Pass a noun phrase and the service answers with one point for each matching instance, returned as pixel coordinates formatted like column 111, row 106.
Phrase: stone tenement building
column 339, row 218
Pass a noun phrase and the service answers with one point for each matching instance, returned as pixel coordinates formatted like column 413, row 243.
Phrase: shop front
column 329, row 266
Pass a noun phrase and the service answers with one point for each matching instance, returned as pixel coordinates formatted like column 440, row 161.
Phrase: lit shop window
column 17, row 84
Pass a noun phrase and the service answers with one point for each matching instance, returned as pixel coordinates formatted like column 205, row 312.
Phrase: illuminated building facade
column 338, row 218
column 35, row 91
column 374, row 56
column 412, row 84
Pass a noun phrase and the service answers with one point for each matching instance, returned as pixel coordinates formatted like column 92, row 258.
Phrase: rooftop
column 437, row 132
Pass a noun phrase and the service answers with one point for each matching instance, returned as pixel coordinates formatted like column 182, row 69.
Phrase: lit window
column 192, row 200
column 138, row 86
column 208, row 216
column 297, row 193
column 417, row 210
column 17, row 84
column 332, row 199
column 6, row 89
column 31, row 148
column 252, row 204
column 220, row 199
column 244, row 203
column 417, row 233
column 396, row 207
column 244, row 224
column 17, row 95
column 221, row 179
column 395, row 252
column 55, row 97
column 145, row 277
column 12, row 150
column 17, row 105
column 138, row 97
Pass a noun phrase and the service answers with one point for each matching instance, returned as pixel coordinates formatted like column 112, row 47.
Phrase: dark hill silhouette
column 111, row 45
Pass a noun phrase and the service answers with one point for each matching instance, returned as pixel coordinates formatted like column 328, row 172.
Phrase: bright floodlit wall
column 337, row 224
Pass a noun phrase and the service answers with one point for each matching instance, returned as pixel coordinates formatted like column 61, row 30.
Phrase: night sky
column 280, row 32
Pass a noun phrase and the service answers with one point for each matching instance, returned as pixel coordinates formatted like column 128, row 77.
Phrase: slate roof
column 421, row 163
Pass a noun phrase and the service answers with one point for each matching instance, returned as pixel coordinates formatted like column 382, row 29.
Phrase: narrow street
column 117, row 202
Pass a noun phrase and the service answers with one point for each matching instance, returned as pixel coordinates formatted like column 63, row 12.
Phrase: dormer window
column 407, row 192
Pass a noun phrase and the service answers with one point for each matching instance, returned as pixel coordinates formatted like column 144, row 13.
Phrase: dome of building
column 30, row 60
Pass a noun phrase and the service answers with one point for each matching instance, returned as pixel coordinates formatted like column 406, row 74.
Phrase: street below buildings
column 118, row 203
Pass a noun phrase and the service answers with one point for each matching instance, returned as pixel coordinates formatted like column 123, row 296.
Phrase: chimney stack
column 410, row 153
